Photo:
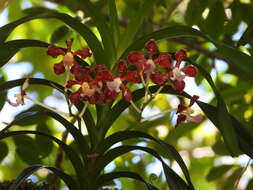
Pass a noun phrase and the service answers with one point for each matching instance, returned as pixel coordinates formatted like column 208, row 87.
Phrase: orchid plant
column 116, row 73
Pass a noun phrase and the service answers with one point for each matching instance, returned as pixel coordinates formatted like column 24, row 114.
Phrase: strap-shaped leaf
column 104, row 31
column 134, row 25
column 88, row 119
column 124, row 135
column 73, row 156
column 82, row 29
column 4, row 151
column 10, row 48
column 234, row 56
column 244, row 137
column 3, row 94
column 174, row 181
column 118, row 108
column 105, row 178
column 79, row 138
column 114, row 21
column 224, row 121
column 69, row 181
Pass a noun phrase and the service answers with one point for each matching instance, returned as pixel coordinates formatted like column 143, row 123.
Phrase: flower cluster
column 98, row 85
column 150, row 67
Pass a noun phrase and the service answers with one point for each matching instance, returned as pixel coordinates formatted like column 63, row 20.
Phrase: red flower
column 68, row 60
column 164, row 60
column 159, row 78
column 185, row 113
column 178, row 74
column 151, row 47
column 117, row 85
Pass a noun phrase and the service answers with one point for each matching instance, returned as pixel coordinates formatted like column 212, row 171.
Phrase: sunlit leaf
column 27, row 149
column 105, row 178
column 70, row 182
column 125, row 135
column 44, row 145
column 82, row 29
column 174, row 181
column 75, row 160
column 3, row 150
column 217, row 172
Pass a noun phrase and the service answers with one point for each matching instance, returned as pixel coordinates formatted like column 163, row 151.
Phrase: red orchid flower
column 68, row 60
column 142, row 64
column 178, row 74
column 185, row 113
column 117, row 85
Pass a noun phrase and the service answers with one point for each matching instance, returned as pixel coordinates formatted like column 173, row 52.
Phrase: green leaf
column 2, row 95
column 73, row 156
column 88, row 119
column 104, row 31
column 246, row 36
column 124, row 135
column 224, row 121
column 9, row 49
column 69, row 181
column 218, row 172
column 27, row 149
column 105, row 178
column 32, row 120
column 79, row 138
column 73, row 23
column 118, row 108
column 3, row 151
column 134, row 25
column 194, row 12
column 114, row 21
column 174, row 181
column 250, row 185
column 59, row 34
column 214, row 23
column 243, row 136
column 231, row 180
column 44, row 145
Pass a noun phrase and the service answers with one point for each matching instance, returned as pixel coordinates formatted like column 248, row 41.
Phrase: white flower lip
column 177, row 75
column 114, row 85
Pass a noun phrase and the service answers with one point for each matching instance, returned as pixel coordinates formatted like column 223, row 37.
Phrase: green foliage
column 112, row 29
column 27, row 149
column 3, row 94
column 4, row 150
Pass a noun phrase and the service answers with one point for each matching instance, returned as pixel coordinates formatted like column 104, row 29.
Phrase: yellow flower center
column 87, row 91
column 68, row 59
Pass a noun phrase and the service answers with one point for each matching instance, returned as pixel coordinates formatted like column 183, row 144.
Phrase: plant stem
column 163, row 112
column 45, row 106
column 240, row 176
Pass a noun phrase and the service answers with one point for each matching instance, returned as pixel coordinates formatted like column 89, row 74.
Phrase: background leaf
column 27, row 149
column 3, row 151
column 44, row 145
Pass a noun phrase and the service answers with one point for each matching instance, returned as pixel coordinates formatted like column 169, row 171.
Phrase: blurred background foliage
column 210, row 166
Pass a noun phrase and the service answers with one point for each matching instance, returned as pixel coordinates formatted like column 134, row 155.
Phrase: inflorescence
column 98, row 85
